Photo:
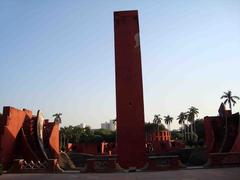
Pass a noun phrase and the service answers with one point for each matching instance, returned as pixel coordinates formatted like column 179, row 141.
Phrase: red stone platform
column 223, row 159
column 101, row 164
column 163, row 163
column 109, row 164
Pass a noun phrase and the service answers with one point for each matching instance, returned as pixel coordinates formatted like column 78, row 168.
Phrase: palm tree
column 62, row 138
column 168, row 120
column 192, row 113
column 182, row 117
column 157, row 120
column 229, row 99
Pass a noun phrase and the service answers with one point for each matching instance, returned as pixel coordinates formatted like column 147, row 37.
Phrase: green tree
column 77, row 134
column 106, row 134
column 168, row 120
column 229, row 98
column 182, row 117
column 65, row 136
column 150, row 127
column 192, row 113
column 62, row 138
column 157, row 120
column 176, row 135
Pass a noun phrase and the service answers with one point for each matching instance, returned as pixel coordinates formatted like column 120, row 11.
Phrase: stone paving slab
column 196, row 174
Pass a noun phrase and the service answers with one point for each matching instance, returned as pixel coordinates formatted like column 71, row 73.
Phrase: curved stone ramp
column 80, row 159
column 66, row 163
column 232, row 133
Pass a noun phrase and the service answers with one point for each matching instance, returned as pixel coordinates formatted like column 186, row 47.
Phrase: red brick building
column 158, row 136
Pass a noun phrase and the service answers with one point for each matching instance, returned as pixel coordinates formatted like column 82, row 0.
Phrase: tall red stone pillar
column 129, row 91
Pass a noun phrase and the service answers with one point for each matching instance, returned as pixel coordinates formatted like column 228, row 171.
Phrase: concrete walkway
column 194, row 174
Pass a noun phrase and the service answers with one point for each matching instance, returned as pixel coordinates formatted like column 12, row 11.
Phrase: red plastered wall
column 13, row 120
column 129, row 91
column 54, row 140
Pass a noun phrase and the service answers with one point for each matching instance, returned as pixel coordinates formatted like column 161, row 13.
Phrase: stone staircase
column 65, row 162
column 79, row 159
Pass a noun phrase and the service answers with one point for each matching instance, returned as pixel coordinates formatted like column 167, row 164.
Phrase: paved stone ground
column 194, row 174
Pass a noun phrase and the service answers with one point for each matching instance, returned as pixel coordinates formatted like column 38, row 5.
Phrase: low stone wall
column 109, row 164
column 223, row 159
column 163, row 163
column 101, row 164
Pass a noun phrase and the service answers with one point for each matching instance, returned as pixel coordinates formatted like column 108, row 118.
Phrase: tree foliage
column 229, row 98
column 152, row 127
column 76, row 134
column 176, row 135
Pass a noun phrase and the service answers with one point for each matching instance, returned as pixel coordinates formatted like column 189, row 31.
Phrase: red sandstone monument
column 28, row 143
column 129, row 91
column 223, row 138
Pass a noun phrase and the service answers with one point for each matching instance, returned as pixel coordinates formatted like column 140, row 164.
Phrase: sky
column 58, row 56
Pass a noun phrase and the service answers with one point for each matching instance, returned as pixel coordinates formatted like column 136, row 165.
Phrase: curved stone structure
column 40, row 124
column 27, row 137
column 10, row 125
column 222, row 132
column 223, row 138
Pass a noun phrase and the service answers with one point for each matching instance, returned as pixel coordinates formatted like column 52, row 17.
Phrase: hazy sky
column 58, row 56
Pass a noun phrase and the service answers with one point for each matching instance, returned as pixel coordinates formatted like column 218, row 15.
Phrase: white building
column 108, row 125
column 82, row 125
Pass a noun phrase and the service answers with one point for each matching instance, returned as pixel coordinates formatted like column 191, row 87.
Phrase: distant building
column 82, row 125
column 105, row 125
column 158, row 136
column 108, row 125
